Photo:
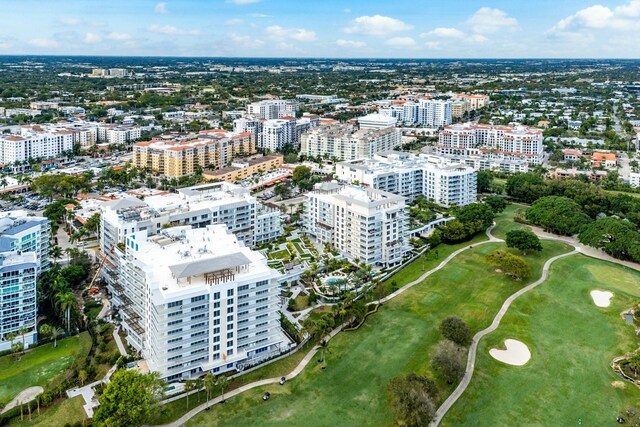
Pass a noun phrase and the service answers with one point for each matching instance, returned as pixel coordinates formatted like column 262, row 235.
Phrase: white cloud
column 92, row 38
column 243, row 1
column 621, row 18
column 402, row 42
column 487, row 21
column 433, row 45
column 5, row 45
column 276, row 32
column 121, row 37
column 70, row 21
column 350, row 43
column 161, row 8
column 245, row 42
column 443, row 33
column 43, row 42
column 447, row 33
column 233, row 22
column 377, row 25
column 260, row 15
column 171, row 30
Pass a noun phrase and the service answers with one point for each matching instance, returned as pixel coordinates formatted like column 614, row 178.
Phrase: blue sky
column 327, row 28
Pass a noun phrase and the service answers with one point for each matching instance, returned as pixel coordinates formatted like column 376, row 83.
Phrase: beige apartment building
column 211, row 149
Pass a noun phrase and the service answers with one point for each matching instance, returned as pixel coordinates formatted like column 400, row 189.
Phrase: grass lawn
column 176, row 409
column 40, row 365
column 279, row 254
column 301, row 302
column 69, row 411
column 415, row 269
column 504, row 221
column 396, row 340
column 572, row 343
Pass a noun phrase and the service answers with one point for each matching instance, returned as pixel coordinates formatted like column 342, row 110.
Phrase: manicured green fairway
column 572, row 343
column 505, row 223
column 396, row 340
column 40, row 365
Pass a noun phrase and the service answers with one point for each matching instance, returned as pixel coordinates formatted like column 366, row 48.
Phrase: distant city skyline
column 331, row 28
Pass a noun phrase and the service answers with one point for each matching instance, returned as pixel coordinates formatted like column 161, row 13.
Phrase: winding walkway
column 471, row 359
column 304, row 362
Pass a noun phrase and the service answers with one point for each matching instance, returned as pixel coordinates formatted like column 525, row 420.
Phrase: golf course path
column 26, row 395
column 471, row 359
column 304, row 362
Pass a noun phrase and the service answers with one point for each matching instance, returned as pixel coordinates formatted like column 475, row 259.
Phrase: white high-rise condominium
column 24, row 254
column 198, row 302
column 365, row 225
column 409, row 175
column 494, row 142
column 434, row 113
column 343, row 143
column 199, row 206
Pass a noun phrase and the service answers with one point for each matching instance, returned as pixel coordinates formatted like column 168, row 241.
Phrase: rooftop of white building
column 183, row 261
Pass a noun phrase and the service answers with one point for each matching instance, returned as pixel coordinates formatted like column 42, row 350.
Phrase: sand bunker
column 517, row 353
column 601, row 298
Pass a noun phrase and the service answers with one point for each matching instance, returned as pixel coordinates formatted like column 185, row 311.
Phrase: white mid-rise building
column 199, row 206
column 199, row 301
column 634, row 179
column 364, row 224
column 24, row 254
column 34, row 142
column 494, row 142
column 273, row 109
column 118, row 134
column 409, row 175
column 434, row 113
column 343, row 143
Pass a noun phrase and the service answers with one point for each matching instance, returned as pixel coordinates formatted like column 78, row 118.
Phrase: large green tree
column 129, row 399
column 557, row 214
column 456, row 330
column 617, row 237
column 412, row 399
column 449, row 361
column 523, row 240
column 510, row 264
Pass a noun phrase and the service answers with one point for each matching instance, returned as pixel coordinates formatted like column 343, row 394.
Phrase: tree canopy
column 511, row 265
column 556, row 214
column 412, row 399
column 523, row 240
column 617, row 237
column 456, row 330
column 128, row 400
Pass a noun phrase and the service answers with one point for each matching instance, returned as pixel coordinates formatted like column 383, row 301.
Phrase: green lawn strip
column 69, row 411
column 301, row 302
column 174, row 410
column 415, row 269
column 277, row 255
column 504, row 221
column 40, row 365
column 572, row 343
column 396, row 340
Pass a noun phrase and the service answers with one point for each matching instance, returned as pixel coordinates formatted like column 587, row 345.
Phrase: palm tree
column 65, row 301
column 222, row 382
column 199, row 385
column 45, row 329
column 209, row 384
column 324, row 349
column 55, row 333
column 55, row 252
column 10, row 337
column 82, row 376
column 189, row 386
column 23, row 331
